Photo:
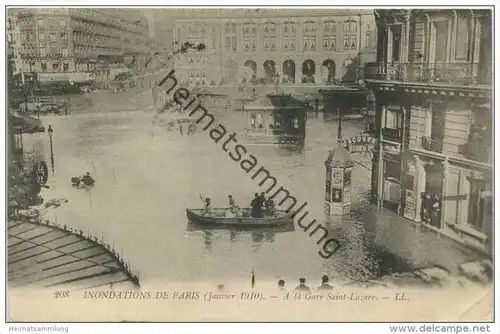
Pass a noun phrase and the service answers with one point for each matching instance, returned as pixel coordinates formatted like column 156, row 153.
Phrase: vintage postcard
column 250, row 164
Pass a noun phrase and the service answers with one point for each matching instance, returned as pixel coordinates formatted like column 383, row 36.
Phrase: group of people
column 232, row 211
column 302, row 287
column 260, row 206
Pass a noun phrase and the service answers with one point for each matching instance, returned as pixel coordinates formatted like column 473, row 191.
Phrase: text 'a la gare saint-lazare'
column 181, row 96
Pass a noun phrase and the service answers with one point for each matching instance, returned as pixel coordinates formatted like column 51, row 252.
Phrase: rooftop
column 339, row 157
column 45, row 256
column 275, row 102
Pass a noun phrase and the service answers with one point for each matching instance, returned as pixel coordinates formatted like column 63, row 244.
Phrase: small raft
column 218, row 217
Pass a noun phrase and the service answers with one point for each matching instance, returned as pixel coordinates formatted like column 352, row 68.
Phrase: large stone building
column 433, row 87
column 161, row 29
column 14, row 43
column 82, row 39
column 297, row 46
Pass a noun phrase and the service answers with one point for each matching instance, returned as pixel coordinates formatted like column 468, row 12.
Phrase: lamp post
column 51, row 133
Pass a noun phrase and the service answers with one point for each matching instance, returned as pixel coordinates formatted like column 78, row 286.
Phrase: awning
column 281, row 102
column 22, row 124
column 77, row 77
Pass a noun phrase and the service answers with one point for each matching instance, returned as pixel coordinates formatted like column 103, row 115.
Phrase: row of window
column 55, row 67
column 198, row 59
column 54, row 52
column 53, row 37
column 103, row 16
column 96, row 28
column 88, row 39
column 97, row 50
column 28, row 37
column 51, row 23
column 308, row 27
column 197, row 74
column 349, row 42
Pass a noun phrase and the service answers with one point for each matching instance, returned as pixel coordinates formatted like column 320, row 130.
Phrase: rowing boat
column 218, row 217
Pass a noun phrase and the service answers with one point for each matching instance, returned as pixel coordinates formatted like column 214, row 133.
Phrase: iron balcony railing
column 449, row 73
column 432, row 144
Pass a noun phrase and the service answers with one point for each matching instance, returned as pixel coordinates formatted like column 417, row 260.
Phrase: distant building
column 161, row 27
column 433, row 87
column 14, row 43
column 295, row 46
column 82, row 39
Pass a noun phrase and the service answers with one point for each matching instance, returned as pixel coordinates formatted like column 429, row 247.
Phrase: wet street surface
column 146, row 177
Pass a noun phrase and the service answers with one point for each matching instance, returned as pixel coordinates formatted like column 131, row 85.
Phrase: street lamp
column 50, row 131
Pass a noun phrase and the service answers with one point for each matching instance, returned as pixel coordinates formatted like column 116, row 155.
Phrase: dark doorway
column 432, row 200
column 330, row 65
column 308, row 71
column 270, row 68
column 289, row 71
column 253, row 66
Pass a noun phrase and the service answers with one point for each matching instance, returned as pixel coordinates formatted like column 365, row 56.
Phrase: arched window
column 350, row 29
column 329, row 35
column 196, row 34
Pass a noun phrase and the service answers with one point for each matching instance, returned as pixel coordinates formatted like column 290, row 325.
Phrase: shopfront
column 391, row 179
column 469, row 202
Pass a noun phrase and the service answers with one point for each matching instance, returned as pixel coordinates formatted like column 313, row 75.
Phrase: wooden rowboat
column 218, row 217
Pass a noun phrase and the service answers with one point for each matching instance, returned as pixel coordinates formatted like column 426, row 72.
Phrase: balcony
column 446, row 73
column 432, row 144
column 391, row 134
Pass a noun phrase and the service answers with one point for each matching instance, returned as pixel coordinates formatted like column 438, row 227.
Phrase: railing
column 432, row 144
column 391, row 134
column 450, row 73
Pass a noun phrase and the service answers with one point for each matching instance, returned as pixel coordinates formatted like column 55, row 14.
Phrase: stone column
column 445, row 168
column 420, row 188
column 453, row 35
column 405, row 43
column 427, row 51
column 473, row 37
column 298, row 72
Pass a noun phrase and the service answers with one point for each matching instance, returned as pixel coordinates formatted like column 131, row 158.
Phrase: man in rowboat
column 233, row 208
column 207, row 209
column 256, row 206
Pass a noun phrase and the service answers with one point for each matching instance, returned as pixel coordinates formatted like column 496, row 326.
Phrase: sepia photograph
column 226, row 164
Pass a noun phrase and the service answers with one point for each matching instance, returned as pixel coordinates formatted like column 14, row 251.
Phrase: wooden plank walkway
column 50, row 256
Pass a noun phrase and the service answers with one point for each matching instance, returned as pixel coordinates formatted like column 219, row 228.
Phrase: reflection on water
column 258, row 235
column 144, row 184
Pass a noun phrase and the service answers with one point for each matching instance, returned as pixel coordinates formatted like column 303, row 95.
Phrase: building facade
column 82, row 39
column 14, row 43
column 433, row 87
column 264, row 45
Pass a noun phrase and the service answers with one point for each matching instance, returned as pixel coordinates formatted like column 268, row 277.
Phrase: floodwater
column 147, row 177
